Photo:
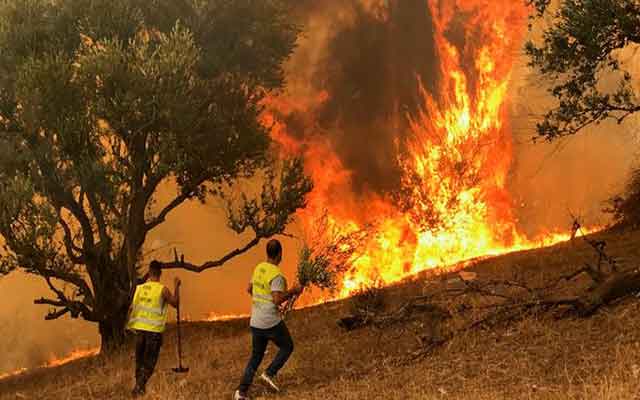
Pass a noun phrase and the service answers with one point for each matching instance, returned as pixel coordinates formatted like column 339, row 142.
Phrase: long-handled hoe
column 179, row 369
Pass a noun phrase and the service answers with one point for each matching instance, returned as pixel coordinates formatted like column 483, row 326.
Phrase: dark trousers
column 279, row 335
column 148, row 346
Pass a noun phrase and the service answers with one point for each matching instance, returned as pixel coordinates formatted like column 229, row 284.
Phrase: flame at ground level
column 56, row 362
column 75, row 355
column 455, row 155
column 350, row 286
column 213, row 317
column 456, row 258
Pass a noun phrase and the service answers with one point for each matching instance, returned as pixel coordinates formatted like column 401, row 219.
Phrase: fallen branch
column 416, row 305
column 480, row 303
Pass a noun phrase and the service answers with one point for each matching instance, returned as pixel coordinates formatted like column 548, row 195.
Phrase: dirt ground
column 536, row 357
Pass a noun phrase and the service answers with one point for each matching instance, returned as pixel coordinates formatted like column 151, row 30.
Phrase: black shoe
column 137, row 392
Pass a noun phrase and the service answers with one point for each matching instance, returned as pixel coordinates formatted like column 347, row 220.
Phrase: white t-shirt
column 266, row 315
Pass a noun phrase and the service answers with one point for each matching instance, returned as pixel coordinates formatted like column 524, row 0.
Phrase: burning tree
column 328, row 252
column 103, row 102
column 449, row 199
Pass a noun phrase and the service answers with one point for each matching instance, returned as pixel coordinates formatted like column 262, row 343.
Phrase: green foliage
column 270, row 212
column 254, row 52
column 104, row 101
column 315, row 271
column 577, row 52
column 328, row 252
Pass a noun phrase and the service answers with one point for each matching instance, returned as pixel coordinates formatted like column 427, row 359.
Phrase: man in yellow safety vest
column 268, row 288
column 147, row 318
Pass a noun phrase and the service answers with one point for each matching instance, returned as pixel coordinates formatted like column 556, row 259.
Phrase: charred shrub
column 368, row 301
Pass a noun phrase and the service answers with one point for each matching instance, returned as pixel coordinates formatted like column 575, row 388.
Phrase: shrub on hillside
column 368, row 301
column 625, row 208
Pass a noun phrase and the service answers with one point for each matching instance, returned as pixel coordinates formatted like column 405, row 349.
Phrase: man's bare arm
column 281, row 297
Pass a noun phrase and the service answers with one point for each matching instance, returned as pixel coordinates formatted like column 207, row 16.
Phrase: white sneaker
column 270, row 382
column 239, row 396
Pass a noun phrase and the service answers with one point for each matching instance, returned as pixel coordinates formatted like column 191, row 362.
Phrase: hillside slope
column 537, row 357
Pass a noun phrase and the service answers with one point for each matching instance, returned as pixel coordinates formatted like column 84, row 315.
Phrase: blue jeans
column 279, row 335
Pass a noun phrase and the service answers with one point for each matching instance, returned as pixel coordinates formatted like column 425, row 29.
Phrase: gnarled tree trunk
column 112, row 332
column 113, row 295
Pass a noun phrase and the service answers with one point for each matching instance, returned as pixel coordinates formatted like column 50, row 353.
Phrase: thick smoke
column 27, row 339
column 368, row 58
column 573, row 176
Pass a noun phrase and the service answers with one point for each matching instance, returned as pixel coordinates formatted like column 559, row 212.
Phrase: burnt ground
column 542, row 355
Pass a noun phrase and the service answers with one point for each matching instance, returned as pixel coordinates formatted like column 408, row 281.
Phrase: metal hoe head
column 180, row 370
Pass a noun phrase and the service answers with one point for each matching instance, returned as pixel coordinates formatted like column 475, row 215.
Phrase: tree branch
column 69, row 278
column 60, row 196
column 96, row 209
column 76, row 309
column 177, row 264
column 576, row 50
column 50, row 302
column 69, row 245
column 54, row 314
column 186, row 194
column 58, row 292
column 170, row 207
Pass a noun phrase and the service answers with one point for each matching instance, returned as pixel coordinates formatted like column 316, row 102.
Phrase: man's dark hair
column 274, row 249
column 155, row 268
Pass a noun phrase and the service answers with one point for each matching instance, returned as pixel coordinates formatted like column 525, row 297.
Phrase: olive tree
column 579, row 48
column 102, row 102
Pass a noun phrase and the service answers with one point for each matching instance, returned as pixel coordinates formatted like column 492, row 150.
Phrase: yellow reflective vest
column 261, row 282
column 148, row 310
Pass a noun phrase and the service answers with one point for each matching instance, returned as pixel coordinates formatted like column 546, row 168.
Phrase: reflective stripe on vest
column 261, row 282
column 149, row 311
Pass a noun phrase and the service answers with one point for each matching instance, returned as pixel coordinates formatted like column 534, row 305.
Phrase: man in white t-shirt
column 268, row 288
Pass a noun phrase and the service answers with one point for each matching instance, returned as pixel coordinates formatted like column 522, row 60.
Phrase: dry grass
column 537, row 357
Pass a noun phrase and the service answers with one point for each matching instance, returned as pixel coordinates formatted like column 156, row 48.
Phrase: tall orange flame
column 453, row 204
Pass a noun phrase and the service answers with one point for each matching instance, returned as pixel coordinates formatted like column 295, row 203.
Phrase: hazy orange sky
column 550, row 180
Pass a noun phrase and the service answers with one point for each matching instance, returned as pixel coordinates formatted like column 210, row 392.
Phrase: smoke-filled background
column 355, row 79
column 367, row 57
